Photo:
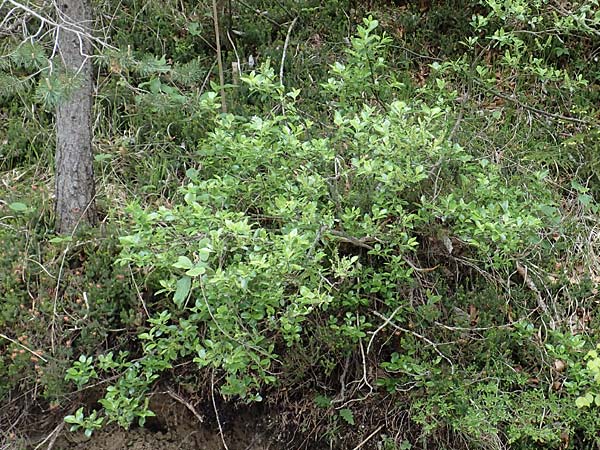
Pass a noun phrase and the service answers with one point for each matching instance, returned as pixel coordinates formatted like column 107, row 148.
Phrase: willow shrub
column 288, row 224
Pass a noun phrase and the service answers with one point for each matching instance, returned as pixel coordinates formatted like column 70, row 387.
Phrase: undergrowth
column 402, row 247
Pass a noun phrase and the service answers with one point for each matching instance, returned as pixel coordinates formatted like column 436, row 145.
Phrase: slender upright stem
column 219, row 55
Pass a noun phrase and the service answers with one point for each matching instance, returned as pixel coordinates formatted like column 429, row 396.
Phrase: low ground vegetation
column 396, row 247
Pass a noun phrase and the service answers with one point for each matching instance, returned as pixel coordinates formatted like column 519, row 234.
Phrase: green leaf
column 18, row 206
column 582, row 402
column 155, row 85
column 347, row 415
column 199, row 269
column 103, row 157
column 585, row 199
column 204, row 254
column 76, row 418
column 183, row 262
column 61, row 239
column 184, row 284
column 322, row 401
column 194, row 28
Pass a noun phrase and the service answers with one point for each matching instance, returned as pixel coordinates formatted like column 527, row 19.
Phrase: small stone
column 559, row 365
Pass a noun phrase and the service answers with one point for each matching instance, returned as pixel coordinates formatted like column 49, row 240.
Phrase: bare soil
column 186, row 437
column 177, row 425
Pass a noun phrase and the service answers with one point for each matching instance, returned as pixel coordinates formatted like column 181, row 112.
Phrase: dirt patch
column 177, row 425
column 184, row 438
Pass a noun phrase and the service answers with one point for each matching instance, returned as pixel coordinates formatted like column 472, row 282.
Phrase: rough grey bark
column 75, row 190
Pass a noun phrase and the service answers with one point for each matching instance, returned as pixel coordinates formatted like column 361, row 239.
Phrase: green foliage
column 81, row 372
column 47, row 327
column 365, row 72
column 347, row 415
column 267, row 239
column 126, row 401
column 592, row 396
column 29, row 55
column 88, row 424
column 388, row 230
column 532, row 58
column 53, row 88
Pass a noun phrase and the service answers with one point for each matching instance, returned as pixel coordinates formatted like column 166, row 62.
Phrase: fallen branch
column 52, row 436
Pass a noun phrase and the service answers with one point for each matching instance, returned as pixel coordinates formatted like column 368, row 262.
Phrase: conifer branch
column 63, row 25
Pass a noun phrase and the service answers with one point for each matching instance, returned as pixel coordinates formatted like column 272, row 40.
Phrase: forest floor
column 187, row 436
column 177, row 425
column 403, row 253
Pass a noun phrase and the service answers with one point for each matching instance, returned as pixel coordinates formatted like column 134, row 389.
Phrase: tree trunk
column 75, row 190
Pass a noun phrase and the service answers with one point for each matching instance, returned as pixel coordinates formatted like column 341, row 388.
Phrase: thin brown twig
column 139, row 294
column 259, row 13
column 493, row 327
column 57, row 432
column 358, row 242
column 56, row 289
column 67, row 26
column 212, row 396
column 381, row 327
column 185, row 403
column 420, row 336
column 24, row 347
column 207, row 78
column 364, row 358
column 369, row 437
column 533, row 108
column 341, row 395
column 52, row 436
column 41, row 267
